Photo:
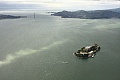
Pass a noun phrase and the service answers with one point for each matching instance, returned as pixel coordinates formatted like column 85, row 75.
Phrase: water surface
column 42, row 48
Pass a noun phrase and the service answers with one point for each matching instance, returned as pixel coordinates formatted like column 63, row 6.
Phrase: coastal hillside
column 115, row 10
column 95, row 14
column 10, row 16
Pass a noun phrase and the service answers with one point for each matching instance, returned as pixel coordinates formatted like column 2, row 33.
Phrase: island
column 93, row 14
column 2, row 16
column 88, row 51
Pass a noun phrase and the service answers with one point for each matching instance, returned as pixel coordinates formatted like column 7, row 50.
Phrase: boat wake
column 11, row 57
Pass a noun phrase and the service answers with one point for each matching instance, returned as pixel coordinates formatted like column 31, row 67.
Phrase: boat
column 88, row 51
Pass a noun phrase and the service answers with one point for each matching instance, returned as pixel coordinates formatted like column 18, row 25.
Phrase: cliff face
column 10, row 17
column 97, row 14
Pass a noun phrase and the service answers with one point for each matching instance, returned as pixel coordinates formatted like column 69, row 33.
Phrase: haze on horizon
column 58, row 4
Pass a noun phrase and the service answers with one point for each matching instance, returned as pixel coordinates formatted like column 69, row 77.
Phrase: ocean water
column 42, row 48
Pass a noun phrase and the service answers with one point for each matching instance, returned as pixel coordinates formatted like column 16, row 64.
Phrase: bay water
column 42, row 48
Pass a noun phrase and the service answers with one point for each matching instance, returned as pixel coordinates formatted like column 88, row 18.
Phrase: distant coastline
column 2, row 16
column 94, row 14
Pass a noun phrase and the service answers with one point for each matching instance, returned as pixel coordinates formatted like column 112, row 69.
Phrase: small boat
column 88, row 51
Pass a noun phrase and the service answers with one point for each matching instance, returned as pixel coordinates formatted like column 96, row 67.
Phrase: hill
column 10, row 16
column 115, row 10
column 95, row 14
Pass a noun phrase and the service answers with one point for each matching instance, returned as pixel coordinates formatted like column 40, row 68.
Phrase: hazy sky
column 58, row 4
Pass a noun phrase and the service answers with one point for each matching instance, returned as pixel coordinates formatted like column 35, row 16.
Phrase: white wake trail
column 11, row 57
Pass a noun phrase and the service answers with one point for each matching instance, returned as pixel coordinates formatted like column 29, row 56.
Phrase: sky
column 58, row 4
